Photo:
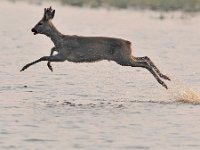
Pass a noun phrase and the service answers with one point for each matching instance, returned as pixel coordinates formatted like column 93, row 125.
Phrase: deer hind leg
column 55, row 58
column 49, row 63
column 133, row 62
column 149, row 61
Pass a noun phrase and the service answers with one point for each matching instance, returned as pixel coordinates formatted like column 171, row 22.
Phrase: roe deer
column 89, row 49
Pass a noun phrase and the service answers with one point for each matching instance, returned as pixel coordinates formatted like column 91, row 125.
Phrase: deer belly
column 78, row 58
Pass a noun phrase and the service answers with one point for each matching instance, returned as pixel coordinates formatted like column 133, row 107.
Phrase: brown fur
column 89, row 49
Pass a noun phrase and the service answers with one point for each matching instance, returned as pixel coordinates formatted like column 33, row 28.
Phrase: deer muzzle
column 34, row 31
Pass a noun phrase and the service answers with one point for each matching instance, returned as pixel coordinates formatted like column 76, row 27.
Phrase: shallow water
column 97, row 106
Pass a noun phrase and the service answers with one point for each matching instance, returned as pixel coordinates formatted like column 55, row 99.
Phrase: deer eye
column 40, row 23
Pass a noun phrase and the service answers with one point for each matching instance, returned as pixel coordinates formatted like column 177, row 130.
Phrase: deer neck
column 54, row 34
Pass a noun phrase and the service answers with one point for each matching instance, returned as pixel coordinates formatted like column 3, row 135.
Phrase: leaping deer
column 89, row 49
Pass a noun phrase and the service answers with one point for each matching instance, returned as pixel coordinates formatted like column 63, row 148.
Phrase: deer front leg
column 49, row 63
column 55, row 58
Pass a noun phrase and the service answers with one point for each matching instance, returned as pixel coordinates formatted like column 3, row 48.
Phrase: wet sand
column 101, row 105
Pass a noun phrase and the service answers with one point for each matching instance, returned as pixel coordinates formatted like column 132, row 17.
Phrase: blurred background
column 164, row 5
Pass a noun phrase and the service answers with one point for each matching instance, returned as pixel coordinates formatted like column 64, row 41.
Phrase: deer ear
column 45, row 17
column 52, row 14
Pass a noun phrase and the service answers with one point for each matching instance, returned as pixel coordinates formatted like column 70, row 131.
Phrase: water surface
column 98, row 106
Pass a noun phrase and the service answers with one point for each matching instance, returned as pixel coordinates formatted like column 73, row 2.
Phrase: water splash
column 183, row 93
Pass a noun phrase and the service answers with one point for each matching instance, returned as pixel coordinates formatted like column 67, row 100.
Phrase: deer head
column 44, row 26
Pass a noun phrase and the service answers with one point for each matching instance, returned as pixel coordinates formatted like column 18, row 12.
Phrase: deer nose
column 34, row 31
